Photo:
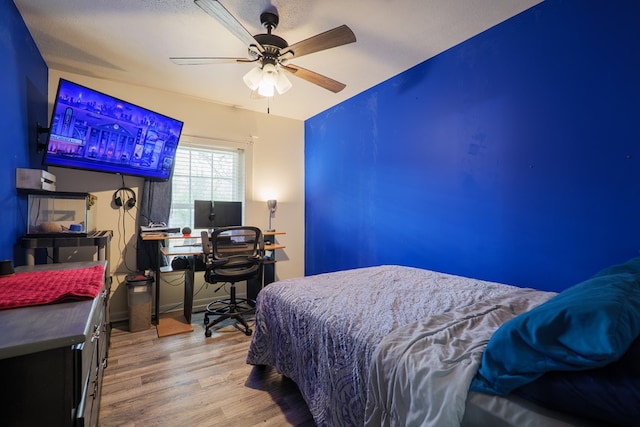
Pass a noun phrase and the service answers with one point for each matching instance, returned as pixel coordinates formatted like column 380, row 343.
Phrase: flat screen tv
column 214, row 214
column 94, row 131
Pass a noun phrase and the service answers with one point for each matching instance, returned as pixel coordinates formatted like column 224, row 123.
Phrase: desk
column 269, row 266
column 99, row 239
column 159, row 238
column 189, row 276
column 192, row 251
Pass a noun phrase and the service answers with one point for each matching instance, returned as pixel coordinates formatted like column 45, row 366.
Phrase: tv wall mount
column 40, row 146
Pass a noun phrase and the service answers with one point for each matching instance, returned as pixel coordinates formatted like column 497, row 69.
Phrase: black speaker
column 180, row 263
column 124, row 197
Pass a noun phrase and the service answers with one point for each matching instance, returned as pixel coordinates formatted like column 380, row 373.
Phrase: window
column 205, row 174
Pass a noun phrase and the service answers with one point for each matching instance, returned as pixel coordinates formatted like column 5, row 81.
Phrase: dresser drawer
column 92, row 361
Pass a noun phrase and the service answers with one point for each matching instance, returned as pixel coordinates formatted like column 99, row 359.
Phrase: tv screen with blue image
column 94, row 131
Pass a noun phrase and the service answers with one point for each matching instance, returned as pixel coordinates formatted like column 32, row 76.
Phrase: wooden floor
column 188, row 380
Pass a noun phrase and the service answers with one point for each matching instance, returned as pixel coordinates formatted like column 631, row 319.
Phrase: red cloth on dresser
column 45, row 287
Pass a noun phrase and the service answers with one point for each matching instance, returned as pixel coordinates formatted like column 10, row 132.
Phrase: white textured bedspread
column 321, row 331
column 420, row 376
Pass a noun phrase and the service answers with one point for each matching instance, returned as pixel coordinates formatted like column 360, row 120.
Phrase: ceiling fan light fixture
column 267, row 80
column 266, row 89
column 283, row 84
column 269, row 74
column 253, row 78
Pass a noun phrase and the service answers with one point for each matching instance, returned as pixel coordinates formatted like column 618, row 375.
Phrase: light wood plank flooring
column 188, row 380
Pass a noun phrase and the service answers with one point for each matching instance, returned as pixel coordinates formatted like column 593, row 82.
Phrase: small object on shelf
column 6, row 268
column 186, row 231
column 35, row 179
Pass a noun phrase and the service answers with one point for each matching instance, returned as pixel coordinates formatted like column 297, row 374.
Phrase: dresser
column 52, row 358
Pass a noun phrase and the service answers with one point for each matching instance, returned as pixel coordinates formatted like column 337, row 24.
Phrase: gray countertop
column 33, row 329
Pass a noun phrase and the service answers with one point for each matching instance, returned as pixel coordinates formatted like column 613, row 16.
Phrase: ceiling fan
column 272, row 52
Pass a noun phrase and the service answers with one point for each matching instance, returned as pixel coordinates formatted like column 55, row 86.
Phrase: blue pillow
column 632, row 266
column 586, row 326
column 609, row 394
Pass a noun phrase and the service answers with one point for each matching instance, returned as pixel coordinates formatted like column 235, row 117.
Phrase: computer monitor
column 209, row 214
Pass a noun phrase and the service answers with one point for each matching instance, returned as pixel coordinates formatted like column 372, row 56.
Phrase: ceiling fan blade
column 204, row 60
column 333, row 38
column 218, row 11
column 315, row 78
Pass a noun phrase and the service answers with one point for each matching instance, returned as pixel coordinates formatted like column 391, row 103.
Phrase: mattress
column 484, row 410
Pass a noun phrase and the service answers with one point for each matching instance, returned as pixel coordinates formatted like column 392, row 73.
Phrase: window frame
column 205, row 144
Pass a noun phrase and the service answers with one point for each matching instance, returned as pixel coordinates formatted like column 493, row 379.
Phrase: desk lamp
column 271, row 204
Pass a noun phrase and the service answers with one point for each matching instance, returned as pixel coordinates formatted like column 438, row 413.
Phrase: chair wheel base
column 223, row 310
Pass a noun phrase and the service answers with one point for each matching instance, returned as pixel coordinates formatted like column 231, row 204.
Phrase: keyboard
column 233, row 245
column 158, row 229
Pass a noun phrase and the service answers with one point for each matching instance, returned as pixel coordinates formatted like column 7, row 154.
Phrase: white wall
column 275, row 169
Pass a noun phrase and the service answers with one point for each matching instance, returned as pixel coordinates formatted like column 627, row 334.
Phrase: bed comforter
column 420, row 376
column 322, row 331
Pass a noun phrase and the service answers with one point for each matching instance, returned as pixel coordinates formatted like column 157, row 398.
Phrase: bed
column 402, row 346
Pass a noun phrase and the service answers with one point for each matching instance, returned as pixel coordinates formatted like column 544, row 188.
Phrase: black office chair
column 231, row 255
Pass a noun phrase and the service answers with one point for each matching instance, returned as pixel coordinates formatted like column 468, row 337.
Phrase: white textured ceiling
column 131, row 41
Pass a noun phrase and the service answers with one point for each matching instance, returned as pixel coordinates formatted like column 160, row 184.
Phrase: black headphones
column 130, row 198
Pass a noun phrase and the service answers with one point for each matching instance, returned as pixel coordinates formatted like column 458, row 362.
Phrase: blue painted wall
column 23, row 91
column 512, row 157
